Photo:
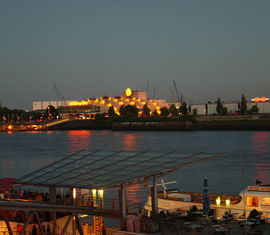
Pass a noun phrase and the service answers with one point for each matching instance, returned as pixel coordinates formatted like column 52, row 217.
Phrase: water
column 22, row 153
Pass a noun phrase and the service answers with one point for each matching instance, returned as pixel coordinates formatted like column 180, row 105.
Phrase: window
column 252, row 201
column 266, row 201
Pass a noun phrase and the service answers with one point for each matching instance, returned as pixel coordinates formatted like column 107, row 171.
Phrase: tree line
column 221, row 110
column 133, row 111
column 19, row 115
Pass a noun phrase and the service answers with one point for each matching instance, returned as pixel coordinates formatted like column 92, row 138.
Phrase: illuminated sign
column 262, row 99
column 78, row 103
column 128, row 92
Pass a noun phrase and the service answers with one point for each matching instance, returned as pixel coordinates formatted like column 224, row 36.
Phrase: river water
column 24, row 152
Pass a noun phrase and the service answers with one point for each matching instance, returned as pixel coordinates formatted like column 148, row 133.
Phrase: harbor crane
column 179, row 98
column 60, row 96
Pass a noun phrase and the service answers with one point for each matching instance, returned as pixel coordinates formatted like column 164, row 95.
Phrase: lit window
column 266, row 201
column 252, row 201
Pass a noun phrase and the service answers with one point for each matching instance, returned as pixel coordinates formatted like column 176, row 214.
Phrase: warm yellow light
column 109, row 105
column 94, row 193
column 128, row 92
column 10, row 127
column 100, row 193
column 96, row 100
column 74, row 193
column 115, row 109
column 218, row 201
column 132, row 103
column 228, row 202
column 121, row 103
column 158, row 111
column 102, row 102
column 78, row 103
column 82, row 216
column 115, row 100
column 110, row 98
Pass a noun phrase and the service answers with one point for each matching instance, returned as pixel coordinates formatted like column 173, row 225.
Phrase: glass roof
column 107, row 169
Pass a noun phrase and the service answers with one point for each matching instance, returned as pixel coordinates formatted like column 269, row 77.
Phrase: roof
column 108, row 169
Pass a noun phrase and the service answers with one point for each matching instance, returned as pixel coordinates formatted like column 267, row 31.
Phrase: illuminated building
column 87, row 109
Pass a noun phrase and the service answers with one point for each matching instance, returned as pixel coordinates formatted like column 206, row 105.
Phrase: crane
column 60, row 96
column 179, row 98
column 58, row 93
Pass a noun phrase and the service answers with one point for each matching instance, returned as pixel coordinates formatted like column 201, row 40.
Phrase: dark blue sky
column 91, row 48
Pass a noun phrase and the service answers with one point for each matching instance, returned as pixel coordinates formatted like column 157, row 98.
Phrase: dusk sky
column 95, row 48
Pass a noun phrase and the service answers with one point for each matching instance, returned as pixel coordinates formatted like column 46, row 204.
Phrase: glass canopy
column 108, row 169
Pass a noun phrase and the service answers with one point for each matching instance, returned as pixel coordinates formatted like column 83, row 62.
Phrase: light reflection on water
column 22, row 153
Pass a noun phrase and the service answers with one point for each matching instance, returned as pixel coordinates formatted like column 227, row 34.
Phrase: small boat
column 253, row 197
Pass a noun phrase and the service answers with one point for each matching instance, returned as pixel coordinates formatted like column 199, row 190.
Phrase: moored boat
column 253, row 197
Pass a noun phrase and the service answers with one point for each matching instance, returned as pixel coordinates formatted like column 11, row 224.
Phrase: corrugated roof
column 107, row 169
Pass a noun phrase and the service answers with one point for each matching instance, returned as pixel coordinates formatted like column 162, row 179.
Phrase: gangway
column 56, row 122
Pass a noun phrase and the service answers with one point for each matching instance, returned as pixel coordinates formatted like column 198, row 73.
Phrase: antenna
column 147, row 89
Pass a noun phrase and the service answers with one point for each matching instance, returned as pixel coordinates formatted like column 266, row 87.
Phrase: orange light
column 102, row 102
column 128, row 92
column 132, row 103
column 109, row 105
column 10, row 127
column 121, row 103
column 263, row 99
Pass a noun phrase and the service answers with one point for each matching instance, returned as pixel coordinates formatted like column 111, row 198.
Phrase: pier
column 98, row 170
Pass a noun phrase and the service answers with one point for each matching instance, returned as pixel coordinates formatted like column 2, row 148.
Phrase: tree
column 224, row 111
column 128, row 111
column 146, row 111
column 122, row 111
column 195, row 112
column 155, row 113
column 50, row 113
column 219, row 106
column 254, row 109
column 173, row 110
column 183, row 108
column 111, row 112
column 243, row 106
column 164, row 112
column 131, row 111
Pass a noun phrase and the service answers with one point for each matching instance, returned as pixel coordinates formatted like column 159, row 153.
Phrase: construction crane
column 58, row 93
column 60, row 96
column 179, row 98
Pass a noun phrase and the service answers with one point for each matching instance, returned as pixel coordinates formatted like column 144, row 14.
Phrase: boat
column 253, row 197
